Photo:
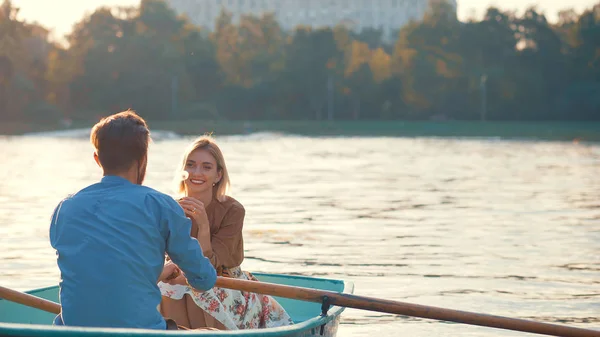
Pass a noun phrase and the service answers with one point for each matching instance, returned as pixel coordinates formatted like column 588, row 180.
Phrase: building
column 387, row 15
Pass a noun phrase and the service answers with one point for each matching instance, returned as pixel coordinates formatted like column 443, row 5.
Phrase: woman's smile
column 197, row 181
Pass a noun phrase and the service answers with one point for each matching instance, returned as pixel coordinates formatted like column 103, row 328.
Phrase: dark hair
column 120, row 141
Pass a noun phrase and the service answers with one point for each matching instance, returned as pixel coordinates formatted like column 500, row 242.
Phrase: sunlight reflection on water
column 500, row 227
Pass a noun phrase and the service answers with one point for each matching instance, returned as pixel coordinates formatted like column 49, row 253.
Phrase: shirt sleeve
column 184, row 250
column 53, row 224
column 228, row 243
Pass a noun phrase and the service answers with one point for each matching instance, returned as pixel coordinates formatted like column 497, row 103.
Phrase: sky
column 60, row 15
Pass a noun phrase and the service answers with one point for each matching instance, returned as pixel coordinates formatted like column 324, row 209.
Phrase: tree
column 540, row 54
column 427, row 59
column 131, row 59
column 488, row 49
column 12, row 57
column 311, row 58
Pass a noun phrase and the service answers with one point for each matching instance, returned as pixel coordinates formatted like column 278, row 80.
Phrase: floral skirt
column 235, row 309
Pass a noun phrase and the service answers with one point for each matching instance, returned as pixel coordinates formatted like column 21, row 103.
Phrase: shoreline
column 565, row 131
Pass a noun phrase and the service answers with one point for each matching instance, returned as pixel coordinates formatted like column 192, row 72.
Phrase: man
column 111, row 237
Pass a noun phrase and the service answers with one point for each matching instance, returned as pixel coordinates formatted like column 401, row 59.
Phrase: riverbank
column 564, row 131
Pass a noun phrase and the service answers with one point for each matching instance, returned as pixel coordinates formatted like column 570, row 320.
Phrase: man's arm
column 185, row 250
column 54, row 222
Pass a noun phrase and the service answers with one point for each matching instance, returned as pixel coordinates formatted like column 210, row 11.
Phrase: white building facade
column 387, row 15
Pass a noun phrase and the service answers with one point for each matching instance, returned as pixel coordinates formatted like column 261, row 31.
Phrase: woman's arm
column 195, row 210
column 204, row 241
column 227, row 243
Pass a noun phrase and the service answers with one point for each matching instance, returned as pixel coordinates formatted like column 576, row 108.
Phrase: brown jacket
column 226, row 220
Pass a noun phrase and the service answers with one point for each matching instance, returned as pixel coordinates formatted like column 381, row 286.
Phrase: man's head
column 121, row 143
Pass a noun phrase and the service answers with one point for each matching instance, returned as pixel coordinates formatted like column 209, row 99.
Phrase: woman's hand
column 195, row 210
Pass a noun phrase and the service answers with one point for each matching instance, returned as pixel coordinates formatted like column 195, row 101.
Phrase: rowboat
column 309, row 320
column 329, row 295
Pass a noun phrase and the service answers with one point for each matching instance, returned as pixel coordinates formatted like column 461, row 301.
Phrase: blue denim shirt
column 111, row 239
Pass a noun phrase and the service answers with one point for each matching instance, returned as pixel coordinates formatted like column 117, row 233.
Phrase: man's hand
column 170, row 272
column 179, row 279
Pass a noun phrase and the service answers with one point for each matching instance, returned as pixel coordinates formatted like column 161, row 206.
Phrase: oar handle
column 407, row 309
column 29, row 300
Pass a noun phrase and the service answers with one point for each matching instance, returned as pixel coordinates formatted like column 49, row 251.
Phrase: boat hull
column 19, row 320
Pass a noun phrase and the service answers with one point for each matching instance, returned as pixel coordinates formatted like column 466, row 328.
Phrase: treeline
column 502, row 67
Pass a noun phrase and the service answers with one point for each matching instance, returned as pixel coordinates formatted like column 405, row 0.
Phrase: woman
column 217, row 221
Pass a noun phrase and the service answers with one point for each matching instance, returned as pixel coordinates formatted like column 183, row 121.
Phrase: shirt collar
column 114, row 180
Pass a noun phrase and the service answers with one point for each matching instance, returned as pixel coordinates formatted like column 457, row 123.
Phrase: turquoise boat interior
column 20, row 320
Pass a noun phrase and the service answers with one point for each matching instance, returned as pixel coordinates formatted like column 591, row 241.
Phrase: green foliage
column 502, row 67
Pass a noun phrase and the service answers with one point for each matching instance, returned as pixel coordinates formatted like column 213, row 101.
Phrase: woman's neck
column 205, row 198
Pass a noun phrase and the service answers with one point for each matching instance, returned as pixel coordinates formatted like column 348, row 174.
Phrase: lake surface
column 494, row 226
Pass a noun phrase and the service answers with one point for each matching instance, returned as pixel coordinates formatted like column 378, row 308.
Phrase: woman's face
column 203, row 173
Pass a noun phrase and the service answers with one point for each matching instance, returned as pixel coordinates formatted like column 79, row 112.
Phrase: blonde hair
column 207, row 143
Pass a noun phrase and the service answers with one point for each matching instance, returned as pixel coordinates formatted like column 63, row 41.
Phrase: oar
column 401, row 308
column 29, row 300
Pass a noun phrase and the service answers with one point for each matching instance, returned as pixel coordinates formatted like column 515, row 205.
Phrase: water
column 500, row 227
